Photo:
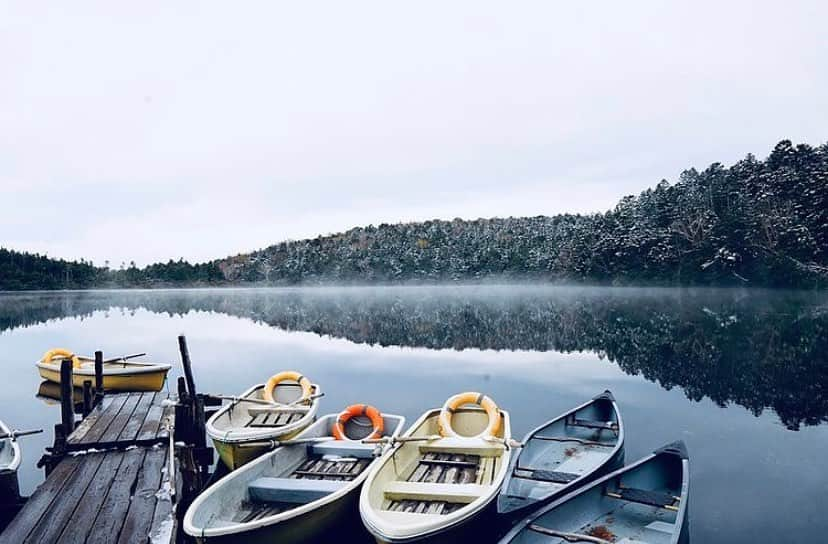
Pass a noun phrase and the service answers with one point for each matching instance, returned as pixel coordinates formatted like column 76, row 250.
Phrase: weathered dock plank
column 113, row 511
column 39, row 503
column 133, row 426
column 101, row 423
column 142, row 506
column 77, row 527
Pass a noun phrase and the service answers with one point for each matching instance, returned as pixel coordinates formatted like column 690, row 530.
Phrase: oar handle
column 242, row 399
column 124, row 358
column 312, row 397
column 15, row 434
column 272, row 444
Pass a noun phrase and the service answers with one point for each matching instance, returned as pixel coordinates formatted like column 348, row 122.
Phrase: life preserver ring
column 276, row 379
column 357, row 410
column 455, row 402
column 63, row 354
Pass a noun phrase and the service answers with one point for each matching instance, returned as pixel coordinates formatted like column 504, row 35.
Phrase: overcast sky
column 157, row 130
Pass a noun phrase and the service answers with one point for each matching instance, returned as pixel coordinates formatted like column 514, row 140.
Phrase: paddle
column 509, row 443
column 292, row 442
column 14, row 434
column 267, row 402
column 124, row 358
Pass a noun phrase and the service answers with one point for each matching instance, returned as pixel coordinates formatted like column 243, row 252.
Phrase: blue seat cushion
column 289, row 490
column 343, row 448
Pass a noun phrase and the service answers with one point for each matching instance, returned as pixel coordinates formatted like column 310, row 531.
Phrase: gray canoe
column 295, row 493
column 643, row 503
column 562, row 455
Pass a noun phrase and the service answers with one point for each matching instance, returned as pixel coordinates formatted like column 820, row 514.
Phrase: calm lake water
column 741, row 376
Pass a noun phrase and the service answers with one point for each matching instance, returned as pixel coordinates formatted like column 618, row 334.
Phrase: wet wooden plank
column 133, row 426
column 113, row 510
column 60, row 511
column 89, row 421
column 103, row 422
column 77, row 528
column 120, row 421
column 163, row 521
column 39, row 502
column 142, row 506
column 152, row 423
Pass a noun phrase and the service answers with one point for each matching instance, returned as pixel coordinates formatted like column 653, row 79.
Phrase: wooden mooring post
column 87, row 397
column 99, row 385
column 67, row 402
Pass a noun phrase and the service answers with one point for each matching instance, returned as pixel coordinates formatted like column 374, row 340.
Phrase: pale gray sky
column 157, row 130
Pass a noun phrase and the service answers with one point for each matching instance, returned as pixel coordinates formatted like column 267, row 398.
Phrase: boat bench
column 467, row 446
column 290, row 490
column 421, row 491
column 342, row 448
column 542, row 475
column 645, row 496
column 592, row 424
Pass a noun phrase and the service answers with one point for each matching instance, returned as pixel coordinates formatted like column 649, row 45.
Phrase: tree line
column 755, row 223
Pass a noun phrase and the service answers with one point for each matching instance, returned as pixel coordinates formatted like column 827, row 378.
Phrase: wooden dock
column 113, row 484
column 126, row 473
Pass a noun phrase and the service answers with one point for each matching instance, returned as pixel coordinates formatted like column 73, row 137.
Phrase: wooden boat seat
column 472, row 446
column 274, row 419
column 256, row 410
column 644, row 496
column 591, row 424
column 422, row 491
column 545, row 475
column 342, row 448
column 289, row 490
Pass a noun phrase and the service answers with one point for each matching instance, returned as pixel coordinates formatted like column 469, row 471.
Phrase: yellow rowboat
column 241, row 422
column 120, row 375
column 439, row 484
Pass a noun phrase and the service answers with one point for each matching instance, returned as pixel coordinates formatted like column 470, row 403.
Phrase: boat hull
column 138, row 381
column 336, row 521
column 234, row 456
column 478, row 527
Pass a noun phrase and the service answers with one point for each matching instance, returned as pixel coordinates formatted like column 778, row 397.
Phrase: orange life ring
column 357, row 410
column 63, row 354
column 455, row 402
column 276, row 379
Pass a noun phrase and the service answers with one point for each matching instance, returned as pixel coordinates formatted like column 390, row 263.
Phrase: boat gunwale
column 461, row 515
column 577, row 482
column 303, row 509
column 245, row 434
column 127, row 368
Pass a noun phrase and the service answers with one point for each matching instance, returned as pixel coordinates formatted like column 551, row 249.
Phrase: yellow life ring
column 455, row 402
column 276, row 379
column 63, row 354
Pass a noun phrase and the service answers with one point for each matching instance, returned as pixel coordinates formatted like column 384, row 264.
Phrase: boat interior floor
column 441, row 470
column 273, row 418
column 628, row 523
column 328, row 472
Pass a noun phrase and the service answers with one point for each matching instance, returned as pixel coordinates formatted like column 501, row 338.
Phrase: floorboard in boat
column 444, row 468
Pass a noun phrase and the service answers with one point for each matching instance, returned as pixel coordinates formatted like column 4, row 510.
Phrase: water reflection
column 758, row 349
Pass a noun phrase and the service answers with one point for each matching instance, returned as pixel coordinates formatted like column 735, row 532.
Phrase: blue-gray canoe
column 643, row 503
column 564, row 454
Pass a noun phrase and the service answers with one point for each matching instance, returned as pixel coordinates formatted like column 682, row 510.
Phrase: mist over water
column 740, row 375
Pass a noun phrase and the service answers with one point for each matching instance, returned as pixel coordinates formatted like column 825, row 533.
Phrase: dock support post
column 99, row 388
column 67, row 403
column 87, row 397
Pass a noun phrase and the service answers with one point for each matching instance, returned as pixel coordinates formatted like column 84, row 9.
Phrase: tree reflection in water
column 759, row 349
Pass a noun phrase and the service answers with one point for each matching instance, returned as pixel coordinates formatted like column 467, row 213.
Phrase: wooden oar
column 14, row 434
column 266, row 402
column 569, row 537
column 401, row 439
column 292, row 442
column 124, row 358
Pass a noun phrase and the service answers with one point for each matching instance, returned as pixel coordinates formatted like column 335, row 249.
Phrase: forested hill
column 758, row 222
